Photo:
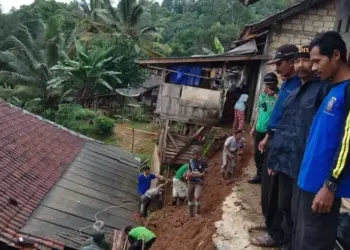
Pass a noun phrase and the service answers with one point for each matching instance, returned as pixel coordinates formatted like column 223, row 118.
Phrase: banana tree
column 217, row 45
column 86, row 75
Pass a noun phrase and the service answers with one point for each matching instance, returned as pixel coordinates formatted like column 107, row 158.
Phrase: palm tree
column 86, row 75
column 129, row 20
column 26, row 57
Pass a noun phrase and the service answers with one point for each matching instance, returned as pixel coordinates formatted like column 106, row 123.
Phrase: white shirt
column 233, row 145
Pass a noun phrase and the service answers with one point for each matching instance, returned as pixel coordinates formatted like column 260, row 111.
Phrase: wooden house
column 192, row 98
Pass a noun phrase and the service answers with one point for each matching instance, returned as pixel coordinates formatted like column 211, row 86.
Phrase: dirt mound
column 176, row 230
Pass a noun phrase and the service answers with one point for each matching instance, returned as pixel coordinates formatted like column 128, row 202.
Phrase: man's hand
column 323, row 201
column 271, row 172
column 262, row 145
column 251, row 132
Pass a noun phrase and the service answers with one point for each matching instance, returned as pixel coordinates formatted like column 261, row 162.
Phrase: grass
column 149, row 127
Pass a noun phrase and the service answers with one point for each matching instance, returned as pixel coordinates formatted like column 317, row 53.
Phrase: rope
column 98, row 225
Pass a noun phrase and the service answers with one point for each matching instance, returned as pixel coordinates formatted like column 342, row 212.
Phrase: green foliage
column 140, row 114
column 55, row 53
column 87, row 74
column 85, row 121
column 104, row 124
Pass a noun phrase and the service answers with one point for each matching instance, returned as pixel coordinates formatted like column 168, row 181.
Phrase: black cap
column 304, row 52
column 270, row 78
column 285, row 52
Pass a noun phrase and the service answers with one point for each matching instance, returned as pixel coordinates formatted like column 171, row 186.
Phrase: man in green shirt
column 266, row 102
column 179, row 185
column 140, row 238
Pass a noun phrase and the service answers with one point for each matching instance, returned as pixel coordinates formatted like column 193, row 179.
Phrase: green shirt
column 264, row 114
column 142, row 233
column 181, row 171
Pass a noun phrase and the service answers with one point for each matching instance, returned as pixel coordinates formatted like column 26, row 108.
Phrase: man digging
column 195, row 176
column 232, row 146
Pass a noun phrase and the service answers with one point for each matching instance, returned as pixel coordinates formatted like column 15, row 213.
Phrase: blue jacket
column 290, row 137
column 326, row 155
column 287, row 87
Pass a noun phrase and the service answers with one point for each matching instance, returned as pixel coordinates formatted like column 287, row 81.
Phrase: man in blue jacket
column 284, row 62
column 324, row 174
column 289, row 141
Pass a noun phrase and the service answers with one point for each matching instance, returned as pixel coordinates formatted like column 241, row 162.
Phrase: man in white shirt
column 232, row 145
column 148, row 197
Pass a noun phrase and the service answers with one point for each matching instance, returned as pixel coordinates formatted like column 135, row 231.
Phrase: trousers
column 314, row 231
column 137, row 245
column 258, row 156
column 239, row 119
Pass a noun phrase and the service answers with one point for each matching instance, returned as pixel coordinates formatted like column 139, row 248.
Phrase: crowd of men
column 302, row 140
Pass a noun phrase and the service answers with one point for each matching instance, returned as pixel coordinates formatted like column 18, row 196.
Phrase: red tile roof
column 33, row 156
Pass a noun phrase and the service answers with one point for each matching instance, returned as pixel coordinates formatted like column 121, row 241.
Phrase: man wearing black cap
column 266, row 102
column 289, row 140
column 284, row 62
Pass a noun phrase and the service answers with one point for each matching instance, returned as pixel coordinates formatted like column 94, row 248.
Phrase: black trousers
column 258, row 156
column 137, row 245
column 286, row 187
column 314, row 231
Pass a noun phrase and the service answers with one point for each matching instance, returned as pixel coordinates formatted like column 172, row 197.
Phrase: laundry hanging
column 181, row 78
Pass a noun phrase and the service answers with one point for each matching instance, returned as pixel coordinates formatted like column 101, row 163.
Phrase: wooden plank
column 173, row 141
column 143, row 131
column 196, row 59
column 187, row 144
column 166, row 128
column 171, row 90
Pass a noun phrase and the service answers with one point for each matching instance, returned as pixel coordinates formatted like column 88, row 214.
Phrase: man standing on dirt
column 284, row 62
column 230, row 152
column 180, row 186
column 266, row 102
column 287, row 147
column 195, row 176
column 324, row 173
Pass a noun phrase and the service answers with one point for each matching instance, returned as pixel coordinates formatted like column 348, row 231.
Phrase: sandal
column 259, row 227
column 263, row 241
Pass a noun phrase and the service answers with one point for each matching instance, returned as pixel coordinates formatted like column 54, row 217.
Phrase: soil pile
column 174, row 227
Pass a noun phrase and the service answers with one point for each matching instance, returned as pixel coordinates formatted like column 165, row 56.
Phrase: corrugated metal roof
column 98, row 178
column 53, row 181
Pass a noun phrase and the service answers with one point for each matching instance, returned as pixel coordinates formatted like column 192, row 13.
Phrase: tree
column 25, row 60
column 86, row 75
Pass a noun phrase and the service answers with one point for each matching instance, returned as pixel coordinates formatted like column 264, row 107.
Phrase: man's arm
column 342, row 156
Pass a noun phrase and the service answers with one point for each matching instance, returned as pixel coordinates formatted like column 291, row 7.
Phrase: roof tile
column 33, row 156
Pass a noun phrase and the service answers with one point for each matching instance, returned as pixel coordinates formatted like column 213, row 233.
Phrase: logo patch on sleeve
column 330, row 104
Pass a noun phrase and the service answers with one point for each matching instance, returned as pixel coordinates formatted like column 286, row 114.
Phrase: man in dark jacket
column 284, row 62
column 290, row 137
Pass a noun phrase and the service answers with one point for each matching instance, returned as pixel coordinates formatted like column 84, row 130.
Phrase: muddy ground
column 173, row 226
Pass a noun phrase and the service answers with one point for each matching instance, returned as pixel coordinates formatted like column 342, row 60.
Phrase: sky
column 8, row 4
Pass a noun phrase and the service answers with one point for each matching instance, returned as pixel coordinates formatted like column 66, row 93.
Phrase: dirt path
column 176, row 230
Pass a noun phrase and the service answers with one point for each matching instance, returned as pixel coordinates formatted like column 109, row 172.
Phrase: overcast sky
column 8, row 4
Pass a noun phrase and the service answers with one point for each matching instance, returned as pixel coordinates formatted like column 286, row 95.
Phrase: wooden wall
column 184, row 102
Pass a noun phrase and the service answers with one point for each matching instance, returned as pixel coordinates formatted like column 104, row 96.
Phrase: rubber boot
column 191, row 210
column 181, row 200
column 174, row 202
column 223, row 176
column 198, row 209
